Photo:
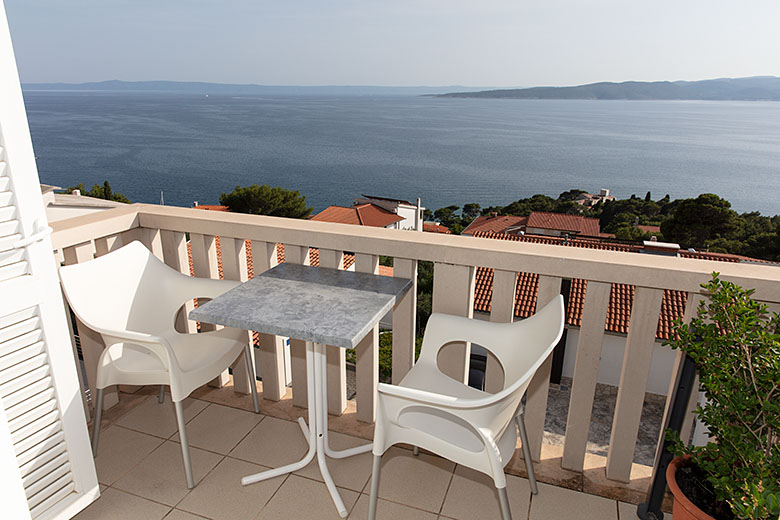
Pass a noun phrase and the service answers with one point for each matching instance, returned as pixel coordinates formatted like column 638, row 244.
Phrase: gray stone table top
column 308, row 303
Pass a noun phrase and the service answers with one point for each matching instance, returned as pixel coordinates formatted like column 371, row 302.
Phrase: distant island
column 757, row 88
column 248, row 89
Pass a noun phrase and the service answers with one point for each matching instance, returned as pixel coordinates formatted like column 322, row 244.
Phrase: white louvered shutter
column 46, row 467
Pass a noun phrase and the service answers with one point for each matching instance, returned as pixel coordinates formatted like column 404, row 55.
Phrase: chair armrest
column 431, row 398
column 157, row 345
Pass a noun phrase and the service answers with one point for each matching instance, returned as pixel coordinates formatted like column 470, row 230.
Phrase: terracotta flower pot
column 683, row 509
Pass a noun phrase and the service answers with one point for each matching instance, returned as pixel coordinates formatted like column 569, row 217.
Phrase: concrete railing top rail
column 642, row 270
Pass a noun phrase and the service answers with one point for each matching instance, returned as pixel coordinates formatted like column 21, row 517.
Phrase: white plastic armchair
column 431, row 410
column 131, row 299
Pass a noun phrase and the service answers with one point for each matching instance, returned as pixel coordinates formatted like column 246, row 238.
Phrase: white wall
column 408, row 213
column 612, row 351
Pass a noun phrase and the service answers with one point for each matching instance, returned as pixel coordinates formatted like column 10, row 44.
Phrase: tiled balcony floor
column 141, row 475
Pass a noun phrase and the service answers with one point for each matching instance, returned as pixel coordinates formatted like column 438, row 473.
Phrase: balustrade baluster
column 367, row 354
column 234, row 267
column 298, row 255
column 270, row 357
column 404, row 320
column 502, row 310
column 586, row 369
column 642, row 328
column 453, row 293
column 536, row 397
column 204, row 263
column 335, row 356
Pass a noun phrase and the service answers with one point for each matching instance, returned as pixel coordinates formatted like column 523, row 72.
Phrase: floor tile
column 182, row 515
column 119, row 450
column 627, row 511
column 221, row 496
column 472, row 496
column 553, row 502
column 159, row 419
column 118, row 505
column 351, row 472
column 273, row 443
column 304, row 499
column 386, row 510
column 220, row 428
column 420, row 481
column 160, row 476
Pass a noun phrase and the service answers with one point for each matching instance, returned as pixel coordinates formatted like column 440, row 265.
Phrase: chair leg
column 96, row 421
column 250, row 368
column 161, row 395
column 374, row 487
column 503, row 501
column 185, row 447
column 529, row 463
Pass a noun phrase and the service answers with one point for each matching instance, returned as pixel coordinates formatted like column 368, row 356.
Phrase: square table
column 323, row 307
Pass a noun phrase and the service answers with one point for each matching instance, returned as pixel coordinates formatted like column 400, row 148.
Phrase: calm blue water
column 447, row 151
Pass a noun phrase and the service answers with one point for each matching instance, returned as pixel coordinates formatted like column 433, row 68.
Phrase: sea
column 447, row 151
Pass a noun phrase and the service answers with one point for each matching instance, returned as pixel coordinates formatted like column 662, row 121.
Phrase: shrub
column 736, row 348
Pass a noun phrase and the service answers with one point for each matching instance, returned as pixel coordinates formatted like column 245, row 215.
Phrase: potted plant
column 735, row 345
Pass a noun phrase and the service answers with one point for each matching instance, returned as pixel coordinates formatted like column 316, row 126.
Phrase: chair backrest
column 128, row 288
column 521, row 347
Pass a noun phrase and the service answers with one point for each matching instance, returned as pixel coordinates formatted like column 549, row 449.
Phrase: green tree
column 570, row 195
column 697, row 222
column 448, row 217
column 99, row 192
column 264, row 200
column 470, row 212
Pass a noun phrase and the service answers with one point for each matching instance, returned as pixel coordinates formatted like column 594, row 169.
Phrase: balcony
column 143, row 472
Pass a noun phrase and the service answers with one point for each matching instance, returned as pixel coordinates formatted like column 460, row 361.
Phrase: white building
column 412, row 213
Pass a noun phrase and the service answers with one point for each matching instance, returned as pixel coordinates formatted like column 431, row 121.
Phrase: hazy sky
column 394, row 42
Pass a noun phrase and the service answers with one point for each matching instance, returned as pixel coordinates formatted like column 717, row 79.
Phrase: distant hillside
column 757, row 88
column 188, row 87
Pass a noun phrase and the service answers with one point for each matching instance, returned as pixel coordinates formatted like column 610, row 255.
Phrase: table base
column 317, row 437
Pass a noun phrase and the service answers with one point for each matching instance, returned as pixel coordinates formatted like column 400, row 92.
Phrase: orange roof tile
column 621, row 295
column 564, row 222
column 359, row 215
column 211, row 207
column 435, row 227
column 497, row 224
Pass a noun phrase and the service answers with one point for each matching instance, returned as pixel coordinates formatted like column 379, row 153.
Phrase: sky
column 499, row 43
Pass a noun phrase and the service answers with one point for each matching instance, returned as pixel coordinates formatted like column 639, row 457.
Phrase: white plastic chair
column 476, row 429
column 131, row 298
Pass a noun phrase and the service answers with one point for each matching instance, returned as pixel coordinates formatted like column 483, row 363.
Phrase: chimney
column 493, row 214
column 653, row 247
column 76, row 193
column 418, row 218
column 195, row 204
column 604, row 192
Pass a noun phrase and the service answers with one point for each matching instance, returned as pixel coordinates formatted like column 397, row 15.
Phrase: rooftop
column 621, row 297
column 564, row 222
column 359, row 215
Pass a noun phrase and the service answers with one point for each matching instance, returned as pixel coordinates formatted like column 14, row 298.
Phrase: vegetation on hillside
column 99, row 192
column 705, row 223
column 757, row 88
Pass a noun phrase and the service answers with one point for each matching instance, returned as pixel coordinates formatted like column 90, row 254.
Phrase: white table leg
column 322, row 426
column 309, row 433
column 335, row 454
column 317, row 430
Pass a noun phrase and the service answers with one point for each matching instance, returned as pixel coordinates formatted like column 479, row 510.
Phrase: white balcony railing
column 165, row 231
